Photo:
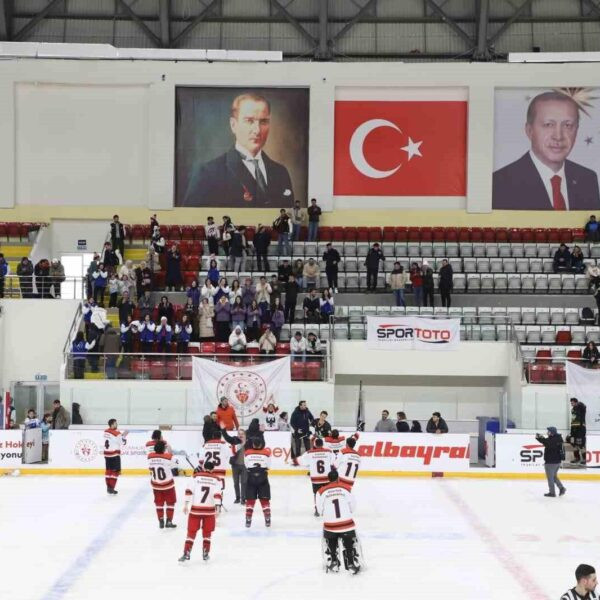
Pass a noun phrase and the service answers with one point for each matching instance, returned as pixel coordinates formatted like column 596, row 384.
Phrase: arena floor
column 63, row 538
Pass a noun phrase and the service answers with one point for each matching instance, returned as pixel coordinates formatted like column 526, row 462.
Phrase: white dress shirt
column 546, row 173
column 247, row 159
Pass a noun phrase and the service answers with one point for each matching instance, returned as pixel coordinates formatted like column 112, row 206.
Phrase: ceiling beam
column 294, row 23
column 482, row 51
column 197, row 20
column 39, row 17
column 371, row 4
column 451, row 23
column 164, row 14
column 140, row 23
column 323, row 51
column 524, row 6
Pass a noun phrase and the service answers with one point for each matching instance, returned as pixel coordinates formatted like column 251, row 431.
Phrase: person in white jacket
column 263, row 296
column 298, row 346
column 237, row 341
column 267, row 341
column 208, row 291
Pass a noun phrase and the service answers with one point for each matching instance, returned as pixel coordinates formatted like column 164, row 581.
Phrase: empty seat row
column 561, row 335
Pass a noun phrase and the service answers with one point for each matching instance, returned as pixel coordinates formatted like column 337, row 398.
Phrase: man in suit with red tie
column 543, row 178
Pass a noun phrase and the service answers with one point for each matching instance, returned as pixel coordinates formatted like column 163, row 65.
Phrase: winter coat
column 263, row 292
column 125, row 309
column 146, row 307
column 25, row 269
column 111, row 341
column 57, row 271
column 206, row 315
column 227, row 418
column 428, row 278
column 194, row 294
column 267, row 342
column 254, row 433
column 301, row 421
column 298, row 345
column 237, row 342
column 248, row 295
column 332, row 258
column 223, row 312
column 238, row 313
column 183, row 333
column 398, row 281
column 237, row 244
column 210, row 429
column 373, row 258
column 416, row 277
column 173, row 276
column 61, row 419
column 277, row 318
column 311, row 271
column 298, row 216
column 553, row 448
column 284, row 272
column 252, row 316
column 166, row 310
column 147, row 330
column 432, row 427
column 261, row 242
column 446, row 275
column 80, row 349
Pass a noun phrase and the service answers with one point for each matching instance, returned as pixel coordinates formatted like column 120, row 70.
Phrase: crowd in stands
column 436, row 424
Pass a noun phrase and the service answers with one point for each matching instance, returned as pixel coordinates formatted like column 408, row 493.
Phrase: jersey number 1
column 336, row 506
column 349, row 468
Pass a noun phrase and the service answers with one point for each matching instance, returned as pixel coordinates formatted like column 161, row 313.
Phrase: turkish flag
column 400, row 148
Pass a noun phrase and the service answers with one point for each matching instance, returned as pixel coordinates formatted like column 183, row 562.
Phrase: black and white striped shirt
column 573, row 595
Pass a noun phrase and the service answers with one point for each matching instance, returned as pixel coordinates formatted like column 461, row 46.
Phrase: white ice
column 64, row 538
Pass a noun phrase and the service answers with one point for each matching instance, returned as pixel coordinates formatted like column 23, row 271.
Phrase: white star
column 412, row 149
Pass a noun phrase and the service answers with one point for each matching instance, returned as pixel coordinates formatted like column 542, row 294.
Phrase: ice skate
column 185, row 556
column 170, row 525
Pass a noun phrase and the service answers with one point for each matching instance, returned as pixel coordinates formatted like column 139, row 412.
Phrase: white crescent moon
column 356, row 148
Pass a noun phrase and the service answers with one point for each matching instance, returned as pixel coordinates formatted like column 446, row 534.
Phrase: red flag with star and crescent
column 400, row 148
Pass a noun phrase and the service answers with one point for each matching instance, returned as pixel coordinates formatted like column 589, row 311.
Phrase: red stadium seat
column 554, row 236
column 464, row 234
column 157, row 369
column 274, row 234
column 541, row 236
column 374, row 234
column 313, row 370
column 574, row 356
column 159, row 280
column 194, row 348
column 14, row 231
column 350, row 234
column 298, row 371
column 303, row 233
column 559, row 374
column 282, row 348
column 173, row 232
column 548, row 374
column 187, row 232
column 362, row 234
column 476, row 234
column 250, row 232
column 199, row 233
column 489, row 235
column 426, row 234
column 502, row 235
column 543, row 356
column 563, row 338
column 577, row 235
column 184, row 247
column 414, row 234
column 401, row 234
column 439, row 234
column 209, row 347
column 451, row 235
column 189, row 276
column 139, row 233
column 565, row 236
column 196, row 248
column 515, row 236
column 527, row 236
column 192, row 263
column 325, row 234
column 389, row 234
column 3, row 232
column 222, row 348
column 535, row 373
column 337, row 234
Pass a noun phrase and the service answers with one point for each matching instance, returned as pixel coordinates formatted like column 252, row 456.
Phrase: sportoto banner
column 412, row 333
column 584, row 384
column 248, row 389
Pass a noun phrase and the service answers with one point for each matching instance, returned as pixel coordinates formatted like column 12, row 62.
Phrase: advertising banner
column 584, row 384
column 412, row 333
column 11, row 448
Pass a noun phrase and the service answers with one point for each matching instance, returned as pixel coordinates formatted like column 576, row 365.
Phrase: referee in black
column 586, row 585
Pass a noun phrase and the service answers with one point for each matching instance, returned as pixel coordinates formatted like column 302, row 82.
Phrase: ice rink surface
column 469, row 539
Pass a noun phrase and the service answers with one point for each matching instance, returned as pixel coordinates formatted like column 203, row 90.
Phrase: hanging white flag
column 584, row 384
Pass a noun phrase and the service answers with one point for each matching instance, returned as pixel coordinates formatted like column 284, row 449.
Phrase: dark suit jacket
column 225, row 181
column 518, row 186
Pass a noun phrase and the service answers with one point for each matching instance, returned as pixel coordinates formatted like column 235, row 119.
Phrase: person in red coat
column 226, row 416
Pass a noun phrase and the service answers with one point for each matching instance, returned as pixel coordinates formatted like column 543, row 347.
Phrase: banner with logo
column 584, row 384
column 412, row 333
column 400, row 141
column 248, row 389
column 11, row 448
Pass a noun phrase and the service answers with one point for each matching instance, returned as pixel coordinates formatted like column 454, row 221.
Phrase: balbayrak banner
column 412, row 333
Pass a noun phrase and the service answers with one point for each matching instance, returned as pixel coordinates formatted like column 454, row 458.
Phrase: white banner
column 584, row 384
column 32, row 445
column 11, row 448
column 248, row 389
column 412, row 333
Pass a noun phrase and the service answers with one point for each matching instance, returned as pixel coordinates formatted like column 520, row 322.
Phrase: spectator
column 147, row 329
column 93, row 266
column 374, row 257
column 222, row 289
column 253, row 320
column 416, row 427
column 270, row 416
column 117, row 235
column 310, row 274
column 402, row 425
column 263, row 297
column 227, row 229
column 98, row 321
column 163, row 335
column 145, row 305
column 237, row 250
column 110, row 257
column 282, row 226
column 553, row 456
column 301, row 421
column 86, row 309
column 174, row 278
column 254, row 434
column 591, row 355
column 593, row 275
column 314, row 213
column 332, row 260
column 100, row 276
column 592, row 230
column 446, row 283
column 153, row 260
column 4, row 271
column 385, row 424
column 291, row 299
column 222, row 319
column 78, row 351
column 298, row 271
column 213, row 272
column 226, row 417
column 311, row 306
column 276, row 289
column 46, row 426
column 183, row 331
column 282, row 422
column 267, row 342
column 284, row 270
column 42, row 278
column 113, row 290
column 144, row 277
column 128, row 277
column 129, row 329
column 31, row 421
column 235, row 291
column 313, row 347
column 25, row 273
column 398, row 281
column 248, row 292
column 562, row 259
column 577, row 264
column 165, row 309
column 277, row 317
column 76, row 417
column 585, row 575
column 210, row 429
column 428, row 284
column 298, row 216
column 191, row 312
column 126, row 307
column 262, row 241
column 57, row 276
column 326, row 305
column 206, row 315
column 208, row 291
column 298, row 346
column 436, row 424
column 111, row 347
column 213, row 235
column 157, row 241
column 238, row 314
column 238, row 466
column 416, row 279
column 60, row 417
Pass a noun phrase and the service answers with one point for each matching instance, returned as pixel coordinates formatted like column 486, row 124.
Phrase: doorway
column 36, row 395
column 76, row 266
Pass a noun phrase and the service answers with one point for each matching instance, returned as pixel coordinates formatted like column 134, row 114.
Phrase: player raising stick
column 348, row 462
column 161, row 465
column 336, row 504
column 203, row 494
column 319, row 461
column 257, row 461
column 113, row 440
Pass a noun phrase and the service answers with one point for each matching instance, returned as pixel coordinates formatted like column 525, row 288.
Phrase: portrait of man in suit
column 244, row 175
column 543, row 178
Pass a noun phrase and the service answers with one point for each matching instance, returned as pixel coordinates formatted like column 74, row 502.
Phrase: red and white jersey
column 336, row 503
column 335, row 444
column 161, row 470
column 258, row 459
column 218, row 453
column 204, row 493
column 347, row 465
column 151, row 443
column 113, row 440
column 319, row 462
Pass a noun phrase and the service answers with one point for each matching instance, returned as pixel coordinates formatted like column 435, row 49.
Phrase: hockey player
column 258, row 461
column 156, row 437
column 319, row 461
column 204, row 494
column 113, row 440
column 336, row 504
column 161, row 465
column 336, row 442
column 218, row 453
column 270, row 417
column 578, row 431
column 322, row 426
column 348, row 462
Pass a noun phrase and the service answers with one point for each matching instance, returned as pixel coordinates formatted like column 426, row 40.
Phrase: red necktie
column 558, row 200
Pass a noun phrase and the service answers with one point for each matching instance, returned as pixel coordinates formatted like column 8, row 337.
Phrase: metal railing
column 44, row 288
